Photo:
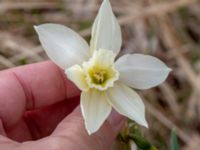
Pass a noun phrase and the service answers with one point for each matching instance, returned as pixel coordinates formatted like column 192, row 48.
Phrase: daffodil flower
column 104, row 81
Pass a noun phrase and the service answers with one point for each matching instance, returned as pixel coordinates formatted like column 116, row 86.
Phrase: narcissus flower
column 104, row 81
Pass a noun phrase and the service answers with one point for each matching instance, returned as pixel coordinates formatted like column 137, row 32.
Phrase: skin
column 39, row 109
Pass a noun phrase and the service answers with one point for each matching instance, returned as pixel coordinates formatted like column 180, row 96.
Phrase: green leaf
column 23, row 61
column 133, row 133
column 174, row 145
column 141, row 142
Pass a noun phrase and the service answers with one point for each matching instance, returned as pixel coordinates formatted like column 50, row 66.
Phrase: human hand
column 39, row 110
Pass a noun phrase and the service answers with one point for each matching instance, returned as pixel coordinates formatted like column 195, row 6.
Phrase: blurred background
column 167, row 29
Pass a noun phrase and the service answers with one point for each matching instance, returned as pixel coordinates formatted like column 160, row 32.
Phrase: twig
column 153, row 10
column 156, row 9
column 175, row 46
column 6, row 62
column 170, row 99
column 6, row 6
column 166, row 122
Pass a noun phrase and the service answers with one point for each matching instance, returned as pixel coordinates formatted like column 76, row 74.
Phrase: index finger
column 32, row 86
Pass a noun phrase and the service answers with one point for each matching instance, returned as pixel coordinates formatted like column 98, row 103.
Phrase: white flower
column 105, row 83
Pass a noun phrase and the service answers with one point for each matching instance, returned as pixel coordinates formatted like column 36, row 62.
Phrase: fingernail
column 116, row 120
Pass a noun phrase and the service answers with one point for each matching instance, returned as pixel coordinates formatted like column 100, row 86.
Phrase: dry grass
column 168, row 29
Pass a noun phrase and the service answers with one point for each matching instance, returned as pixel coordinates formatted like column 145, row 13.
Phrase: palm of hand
column 35, row 100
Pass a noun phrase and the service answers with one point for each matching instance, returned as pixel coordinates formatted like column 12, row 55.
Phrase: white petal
column 127, row 102
column 95, row 109
column 106, row 32
column 141, row 71
column 102, row 58
column 64, row 46
column 77, row 76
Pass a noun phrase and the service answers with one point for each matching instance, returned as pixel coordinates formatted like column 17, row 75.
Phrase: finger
column 72, row 131
column 19, row 132
column 42, row 122
column 29, row 87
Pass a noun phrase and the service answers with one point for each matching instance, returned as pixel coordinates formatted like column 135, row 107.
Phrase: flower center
column 99, row 77
column 100, row 71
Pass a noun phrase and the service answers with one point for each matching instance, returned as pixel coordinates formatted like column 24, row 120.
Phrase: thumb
column 74, row 135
